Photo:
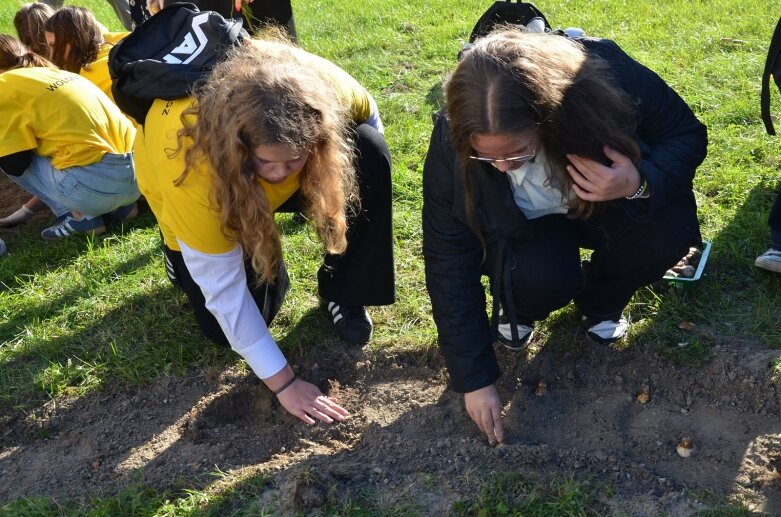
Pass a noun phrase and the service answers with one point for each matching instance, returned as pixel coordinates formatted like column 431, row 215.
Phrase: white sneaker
column 505, row 337
column 770, row 261
column 606, row 332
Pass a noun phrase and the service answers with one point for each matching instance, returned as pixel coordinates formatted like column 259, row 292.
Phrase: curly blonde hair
column 512, row 81
column 268, row 92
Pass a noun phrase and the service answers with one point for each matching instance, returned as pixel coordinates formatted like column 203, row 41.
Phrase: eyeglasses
column 512, row 159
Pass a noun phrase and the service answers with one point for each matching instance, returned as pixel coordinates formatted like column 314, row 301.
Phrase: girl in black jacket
column 550, row 145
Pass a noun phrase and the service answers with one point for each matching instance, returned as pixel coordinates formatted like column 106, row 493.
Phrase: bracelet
column 639, row 192
column 286, row 385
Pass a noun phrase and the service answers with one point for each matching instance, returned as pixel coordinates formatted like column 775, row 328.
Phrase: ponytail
column 13, row 54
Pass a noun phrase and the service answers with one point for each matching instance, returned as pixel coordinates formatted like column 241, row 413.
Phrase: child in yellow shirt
column 63, row 140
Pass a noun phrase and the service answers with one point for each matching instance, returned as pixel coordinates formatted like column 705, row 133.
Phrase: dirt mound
column 409, row 438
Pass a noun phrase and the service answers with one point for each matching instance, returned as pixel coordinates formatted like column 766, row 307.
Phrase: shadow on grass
column 18, row 321
column 733, row 297
column 29, row 255
column 133, row 342
column 435, row 97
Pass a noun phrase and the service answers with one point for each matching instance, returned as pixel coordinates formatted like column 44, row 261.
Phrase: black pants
column 774, row 221
column 362, row 275
column 547, row 272
column 278, row 12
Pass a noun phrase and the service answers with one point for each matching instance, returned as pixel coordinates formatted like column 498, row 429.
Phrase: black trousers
column 278, row 12
column 547, row 272
column 362, row 275
column 774, row 221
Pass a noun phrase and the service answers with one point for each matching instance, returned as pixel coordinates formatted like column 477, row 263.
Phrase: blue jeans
column 93, row 189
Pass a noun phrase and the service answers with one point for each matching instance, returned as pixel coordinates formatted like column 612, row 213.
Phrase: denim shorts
column 93, row 189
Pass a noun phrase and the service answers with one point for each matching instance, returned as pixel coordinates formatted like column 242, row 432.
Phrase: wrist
column 280, row 380
column 285, row 386
column 642, row 191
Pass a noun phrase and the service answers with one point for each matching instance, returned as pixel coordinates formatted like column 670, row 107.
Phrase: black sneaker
column 605, row 332
column 352, row 322
column 505, row 336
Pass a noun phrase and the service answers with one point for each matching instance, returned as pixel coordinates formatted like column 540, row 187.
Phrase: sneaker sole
column 768, row 265
column 604, row 342
column 510, row 346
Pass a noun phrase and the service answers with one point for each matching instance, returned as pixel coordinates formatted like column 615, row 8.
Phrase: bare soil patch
column 409, row 437
column 12, row 197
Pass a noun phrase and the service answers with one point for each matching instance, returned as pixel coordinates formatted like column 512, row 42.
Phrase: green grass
column 512, row 495
column 78, row 315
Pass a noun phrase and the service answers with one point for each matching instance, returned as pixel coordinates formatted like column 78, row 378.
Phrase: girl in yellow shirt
column 274, row 128
column 64, row 141
column 29, row 22
column 78, row 43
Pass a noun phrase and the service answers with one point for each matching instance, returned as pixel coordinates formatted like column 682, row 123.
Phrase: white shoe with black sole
column 605, row 332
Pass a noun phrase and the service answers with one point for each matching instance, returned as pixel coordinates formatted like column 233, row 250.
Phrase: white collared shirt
column 532, row 189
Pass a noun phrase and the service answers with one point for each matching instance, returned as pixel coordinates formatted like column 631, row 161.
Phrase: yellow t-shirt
column 61, row 115
column 188, row 211
column 349, row 90
column 97, row 71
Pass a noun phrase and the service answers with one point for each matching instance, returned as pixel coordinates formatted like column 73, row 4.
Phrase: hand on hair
column 304, row 400
column 593, row 181
column 484, row 408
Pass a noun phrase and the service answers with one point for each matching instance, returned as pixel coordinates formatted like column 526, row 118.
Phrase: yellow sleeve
column 354, row 96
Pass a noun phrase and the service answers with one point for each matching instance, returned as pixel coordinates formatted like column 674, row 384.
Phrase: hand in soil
column 304, row 400
column 484, row 408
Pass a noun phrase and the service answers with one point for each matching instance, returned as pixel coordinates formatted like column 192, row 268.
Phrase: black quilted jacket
column 672, row 141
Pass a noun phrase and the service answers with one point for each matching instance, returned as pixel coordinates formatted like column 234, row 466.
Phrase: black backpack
column 509, row 12
column 166, row 55
column 772, row 67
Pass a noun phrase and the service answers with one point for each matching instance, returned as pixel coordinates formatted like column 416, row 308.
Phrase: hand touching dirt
column 593, row 181
column 484, row 408
column 304, row 400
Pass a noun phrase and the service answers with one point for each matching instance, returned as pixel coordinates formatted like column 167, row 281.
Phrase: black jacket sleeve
column 453, row 257
column 673, row 143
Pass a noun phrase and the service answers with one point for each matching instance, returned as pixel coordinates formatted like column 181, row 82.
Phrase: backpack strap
column 772, row 67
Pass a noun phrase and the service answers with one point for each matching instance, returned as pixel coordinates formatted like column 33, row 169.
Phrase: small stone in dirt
column 685, row 447
column 644, row 396
column 542, row 389
column 686, row 325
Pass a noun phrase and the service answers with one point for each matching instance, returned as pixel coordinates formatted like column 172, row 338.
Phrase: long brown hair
column 511, row 81
column 29, row 21
column 78, row 37
column 268, row 92
column 14, row 54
